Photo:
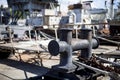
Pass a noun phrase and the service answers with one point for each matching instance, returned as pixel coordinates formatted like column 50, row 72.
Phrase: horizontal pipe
column 55, row 47
column 79, row 44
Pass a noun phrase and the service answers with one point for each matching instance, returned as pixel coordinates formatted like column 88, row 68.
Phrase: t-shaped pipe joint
column 55, row 47
column 67, row 45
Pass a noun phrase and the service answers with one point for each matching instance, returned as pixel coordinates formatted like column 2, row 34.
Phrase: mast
column 110, row 9
column 86, row 5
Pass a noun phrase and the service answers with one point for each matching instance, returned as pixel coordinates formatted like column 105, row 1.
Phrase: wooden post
column 29, row 33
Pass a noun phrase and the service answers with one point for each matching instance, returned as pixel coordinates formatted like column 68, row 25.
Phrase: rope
column 43, row 47
column 105, row 60
column 46, row 35
column 92, row 68
column 111, row 41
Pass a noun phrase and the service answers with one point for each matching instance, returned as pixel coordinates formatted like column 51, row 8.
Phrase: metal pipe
column 10, row 35
column 73, row 15
column 76, row 30
column 86, row 34
column 56, row 35
column 55, row 47
column 63, row 47
column 65, row 51
column 29, row 33
column 66, row 57
column 36, row 36
column 66, row 35
column 81, row 44
column 67, row 45
column 110, row 9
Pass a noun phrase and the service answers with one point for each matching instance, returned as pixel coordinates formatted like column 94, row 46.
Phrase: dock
column 30, row 66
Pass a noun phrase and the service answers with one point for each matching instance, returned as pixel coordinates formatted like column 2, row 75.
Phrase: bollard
column 86, row 34
column 64, row 48
column 55, row 47
column 67, row 45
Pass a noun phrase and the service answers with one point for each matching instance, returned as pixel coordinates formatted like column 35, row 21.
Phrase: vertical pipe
column 1, row 15
column 29, row 33
column 36, row 35
column 12, row 14
column 10, row 35
column 73, row 15
column 56, row 36
column 66, row 56
column 76, row 32
column 87, row 34
column 110, row 9
column 94, row 32
column 66, row 35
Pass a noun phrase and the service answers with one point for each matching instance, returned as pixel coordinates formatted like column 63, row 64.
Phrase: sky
column 95, row 3
column 3, row 2
column 65, row 3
